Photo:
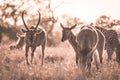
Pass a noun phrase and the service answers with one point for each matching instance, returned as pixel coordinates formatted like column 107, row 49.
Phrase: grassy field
column 59, row 64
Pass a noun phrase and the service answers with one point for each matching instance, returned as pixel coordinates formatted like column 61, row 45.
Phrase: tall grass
column 59, row 64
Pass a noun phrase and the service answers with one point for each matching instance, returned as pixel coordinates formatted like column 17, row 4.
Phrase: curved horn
column 24, row 20
column 38, row 20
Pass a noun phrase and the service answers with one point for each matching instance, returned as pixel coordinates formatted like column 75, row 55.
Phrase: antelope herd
column 86, row 43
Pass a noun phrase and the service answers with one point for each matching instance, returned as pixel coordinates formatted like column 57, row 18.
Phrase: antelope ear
column 38, row 31
column 73, row 26
column 61, row 25
column 23, row 30
column 18, row 35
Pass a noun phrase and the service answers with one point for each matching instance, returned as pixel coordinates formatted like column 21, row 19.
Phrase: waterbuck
column 20, row 42
column 87, row 41
column 111, row 42
column 68, row 35
column 34, row 37
column 101, row 42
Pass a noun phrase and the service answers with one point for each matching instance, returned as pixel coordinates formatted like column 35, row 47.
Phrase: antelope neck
column 73, row 42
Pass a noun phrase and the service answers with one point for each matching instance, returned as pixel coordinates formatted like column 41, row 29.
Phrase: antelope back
column 87, row 40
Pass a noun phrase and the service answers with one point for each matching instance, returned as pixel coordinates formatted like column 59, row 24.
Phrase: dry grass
column 59, row 64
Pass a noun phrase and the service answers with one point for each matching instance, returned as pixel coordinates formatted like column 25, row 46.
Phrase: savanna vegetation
column 59, row 61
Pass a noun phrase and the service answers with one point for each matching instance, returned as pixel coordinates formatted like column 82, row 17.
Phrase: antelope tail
column 94, row 48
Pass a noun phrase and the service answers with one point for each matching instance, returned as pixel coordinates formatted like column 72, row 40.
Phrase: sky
column 88, row 10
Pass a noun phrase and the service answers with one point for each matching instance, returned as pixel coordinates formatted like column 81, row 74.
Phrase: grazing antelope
column 34, row 37
column 20, row 42
column 87, row 41
column 68, row 35
column 101, row 43
column 111, row 42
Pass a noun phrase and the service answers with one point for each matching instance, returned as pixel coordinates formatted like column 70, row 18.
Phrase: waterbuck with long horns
column 34, row 37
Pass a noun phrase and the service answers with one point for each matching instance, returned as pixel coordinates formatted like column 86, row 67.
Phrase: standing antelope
column 101, row 43
column 87, row 41
column 68, row 35
column 34, row 37
column 111, row 43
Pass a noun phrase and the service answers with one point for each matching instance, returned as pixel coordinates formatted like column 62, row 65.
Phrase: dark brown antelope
column 101, row 43
column 87, row 41
column 111, row 42
column 34, row 37
column 20, row 42
column 68, row 35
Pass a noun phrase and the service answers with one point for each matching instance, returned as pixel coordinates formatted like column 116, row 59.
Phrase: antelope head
column 32, row 32
column 66, row 32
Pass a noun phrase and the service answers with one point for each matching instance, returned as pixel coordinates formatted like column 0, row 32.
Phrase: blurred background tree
column 69, row 20
column 106, row 22
column 103, row 21
column 11, row 22
column 8, row 18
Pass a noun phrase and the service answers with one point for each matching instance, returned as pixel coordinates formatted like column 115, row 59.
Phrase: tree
column 105, row 21
column 10, row 11
column 115, row 22
column 49, row 21
column 72, row 20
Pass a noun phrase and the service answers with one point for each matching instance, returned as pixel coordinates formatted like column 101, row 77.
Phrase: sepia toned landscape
column 59, row 64
column 17, row 17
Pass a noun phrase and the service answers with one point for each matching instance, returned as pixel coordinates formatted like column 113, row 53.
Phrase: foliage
column 11, row 14
column 10, row 32
column 59, row 64
column 68, row 20
column 10, row 11
column 10, row 17
column 105, row 21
